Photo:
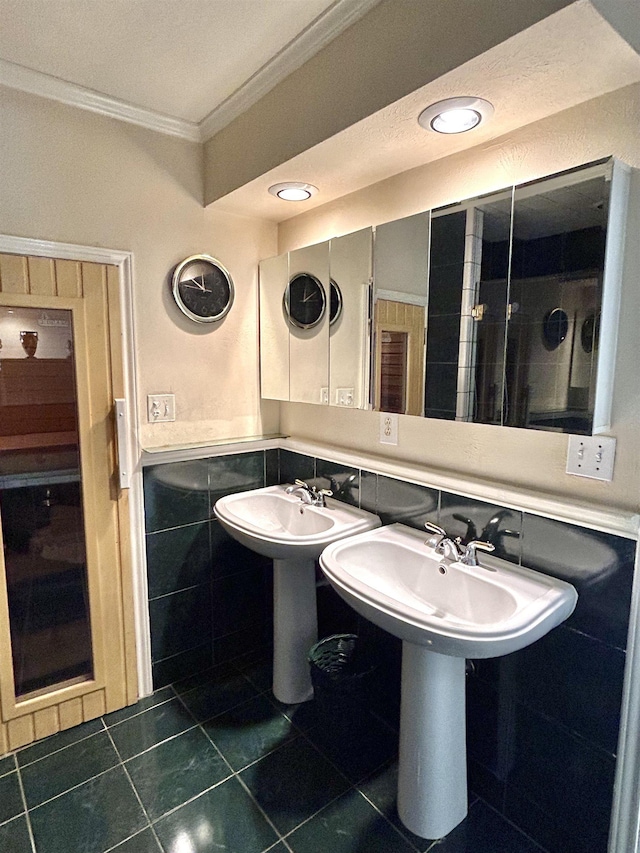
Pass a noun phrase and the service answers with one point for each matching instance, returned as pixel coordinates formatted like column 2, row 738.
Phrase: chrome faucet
column 309, row 494
column 453, row 549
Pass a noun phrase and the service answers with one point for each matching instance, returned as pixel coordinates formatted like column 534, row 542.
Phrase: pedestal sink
column 282, row 526
column 443, row 612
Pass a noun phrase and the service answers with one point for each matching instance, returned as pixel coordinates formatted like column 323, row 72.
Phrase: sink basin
column 293, row 533
column 282, row 527
column 443, row 612
column 394, row 579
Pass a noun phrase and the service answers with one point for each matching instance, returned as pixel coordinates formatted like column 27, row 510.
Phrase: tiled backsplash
column 542, row 723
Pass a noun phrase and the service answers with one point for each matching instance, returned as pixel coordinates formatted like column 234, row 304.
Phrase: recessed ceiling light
column 455, row 115
column 293, row 191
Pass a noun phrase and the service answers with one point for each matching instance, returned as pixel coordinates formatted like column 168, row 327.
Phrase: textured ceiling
column 566, row 59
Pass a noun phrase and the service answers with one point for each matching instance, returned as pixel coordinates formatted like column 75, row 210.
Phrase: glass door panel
column 41, row 501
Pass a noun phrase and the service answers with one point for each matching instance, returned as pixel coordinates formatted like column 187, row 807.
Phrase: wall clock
column 305, row 301
column 202, row 289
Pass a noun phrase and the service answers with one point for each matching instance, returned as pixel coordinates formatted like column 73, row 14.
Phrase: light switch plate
column 388, row 428
column 591, row 456
column 344, row 396
column 161, row 408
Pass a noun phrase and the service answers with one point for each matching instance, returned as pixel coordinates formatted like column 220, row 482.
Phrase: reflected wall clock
column 202, row 288
column 305, row 301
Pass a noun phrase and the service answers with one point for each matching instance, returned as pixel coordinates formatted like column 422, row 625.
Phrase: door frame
column 123, row 261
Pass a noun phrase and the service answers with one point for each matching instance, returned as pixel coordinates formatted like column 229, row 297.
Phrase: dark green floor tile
column 214, row 697
column 485, row 831
column 90, row 819
column 157, row 698
column 358, row 746
column 68, row 767
column 10, row 798
column 205, row 676
column 148, row 729
column 143, row 842
column 175, row 771
column 292, row 783
column 348, row 825
column 382, row 789
column 259, row 673
column 59, row 741
column 7, row 764
column 224, row 818
column 14, row 836
column 249, row 731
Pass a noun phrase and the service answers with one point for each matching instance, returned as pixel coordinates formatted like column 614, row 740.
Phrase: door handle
column 122, row 436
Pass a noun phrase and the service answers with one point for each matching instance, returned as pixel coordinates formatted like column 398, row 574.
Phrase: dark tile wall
column 542, row 723
column 209, row 598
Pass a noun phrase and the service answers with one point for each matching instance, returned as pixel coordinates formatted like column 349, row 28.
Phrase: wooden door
column 406, row 324
column 54, row 410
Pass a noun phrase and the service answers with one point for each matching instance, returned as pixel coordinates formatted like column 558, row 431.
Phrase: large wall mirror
column 499, row 310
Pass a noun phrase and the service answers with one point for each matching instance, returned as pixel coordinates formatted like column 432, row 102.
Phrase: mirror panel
column 350, row 260
column 274, row 329
column 401, row 269
column 444, row 314
column 309, row 347
column 557, row 266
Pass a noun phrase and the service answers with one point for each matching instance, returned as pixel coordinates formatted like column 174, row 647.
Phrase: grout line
column 26, row 809
column 54, row 751
column 179, row 592
column 133, row 787
column 393, row 826
column 135, row 834
column 137, row 713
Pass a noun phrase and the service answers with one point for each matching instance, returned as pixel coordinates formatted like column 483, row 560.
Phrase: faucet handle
column 433, row 528
column 470, row 557
column 326, row 492
column 301, row 483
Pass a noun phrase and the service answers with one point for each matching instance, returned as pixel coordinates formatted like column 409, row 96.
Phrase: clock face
column 305, row 301
column 202, row 288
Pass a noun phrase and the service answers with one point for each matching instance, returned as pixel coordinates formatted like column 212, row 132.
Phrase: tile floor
column 214, row 763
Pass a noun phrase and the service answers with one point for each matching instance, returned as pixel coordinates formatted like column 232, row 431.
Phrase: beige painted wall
column 399, row 46
column 75, row 177
column 523, row 458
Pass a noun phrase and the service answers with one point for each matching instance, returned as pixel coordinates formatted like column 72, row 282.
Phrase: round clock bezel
column 294, row 321
column 176, row 280
column 335, row 316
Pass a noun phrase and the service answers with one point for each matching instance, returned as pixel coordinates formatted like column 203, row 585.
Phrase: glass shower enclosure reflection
column 41, row 501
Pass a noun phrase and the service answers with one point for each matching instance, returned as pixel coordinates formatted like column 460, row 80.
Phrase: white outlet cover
column 388, row 428
column 591, row 456
column 161, row 408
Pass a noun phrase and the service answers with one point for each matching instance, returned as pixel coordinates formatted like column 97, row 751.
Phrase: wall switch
column 324, row 396
column 161, row 407
column 388, row 428
column 591, row 456
column 344, row 396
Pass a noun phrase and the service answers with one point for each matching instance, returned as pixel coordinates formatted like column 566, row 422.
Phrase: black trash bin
column 341, row 670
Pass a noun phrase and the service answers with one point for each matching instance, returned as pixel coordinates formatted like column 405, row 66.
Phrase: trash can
column 341, row 670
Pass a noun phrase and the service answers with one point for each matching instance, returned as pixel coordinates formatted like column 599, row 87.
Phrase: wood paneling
column 407, row 319
column 91, row 293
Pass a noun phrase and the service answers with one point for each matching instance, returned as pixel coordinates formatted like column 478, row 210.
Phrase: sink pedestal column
column 432, row 774
column 295, row 628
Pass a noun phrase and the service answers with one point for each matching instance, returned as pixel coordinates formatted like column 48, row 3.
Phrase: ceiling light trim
column 480, row 107
column 299, row 50
column 45, row 86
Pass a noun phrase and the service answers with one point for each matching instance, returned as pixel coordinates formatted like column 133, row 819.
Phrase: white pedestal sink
column 443, row 612
column 293, row 534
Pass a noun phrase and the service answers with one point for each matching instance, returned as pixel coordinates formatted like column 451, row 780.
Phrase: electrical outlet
column 388, row 428
column 324, row 396
column 344, row 396
column 161, row 407
column 591, row 456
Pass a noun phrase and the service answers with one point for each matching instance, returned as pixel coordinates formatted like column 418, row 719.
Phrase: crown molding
column 36, row 83
column 310, row 41
column 299, row 50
